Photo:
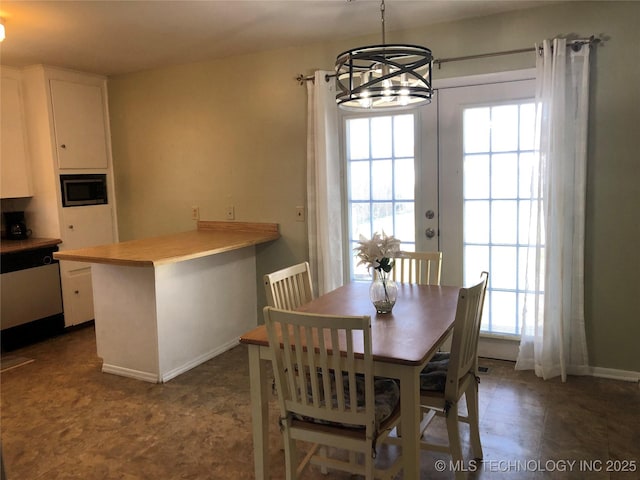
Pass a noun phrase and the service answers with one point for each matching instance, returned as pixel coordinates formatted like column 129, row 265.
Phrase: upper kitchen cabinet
column 15, row 174
column 79, row 125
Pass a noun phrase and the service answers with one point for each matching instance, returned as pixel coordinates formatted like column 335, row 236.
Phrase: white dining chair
column 327, row 392
column 417, row 267
column 289, row 287
column 450, row 375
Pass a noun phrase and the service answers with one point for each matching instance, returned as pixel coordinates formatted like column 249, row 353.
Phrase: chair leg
column 290, row 457
column 455, row 446
column 324, row 453
column 474, row 419
column 368, row 466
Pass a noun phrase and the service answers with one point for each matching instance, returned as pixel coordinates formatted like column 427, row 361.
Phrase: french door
column 391, row 179
column 486, row 159
column 453, row 176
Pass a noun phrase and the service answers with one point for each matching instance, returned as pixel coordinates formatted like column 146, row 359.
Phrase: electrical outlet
column 299, row 214
column 195, row 213
column 230, row 212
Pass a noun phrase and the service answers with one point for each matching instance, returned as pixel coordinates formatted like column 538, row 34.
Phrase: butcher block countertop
column 209, row 239
column 33, row 243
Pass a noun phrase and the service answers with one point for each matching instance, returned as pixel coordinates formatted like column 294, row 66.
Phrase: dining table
column 403, row 342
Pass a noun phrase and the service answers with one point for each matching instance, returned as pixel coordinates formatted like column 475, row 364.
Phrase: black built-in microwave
column 83, row 189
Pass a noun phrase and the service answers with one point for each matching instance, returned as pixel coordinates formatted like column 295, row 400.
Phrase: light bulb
column 1, row 30
column 365, row 102
column 386, row 84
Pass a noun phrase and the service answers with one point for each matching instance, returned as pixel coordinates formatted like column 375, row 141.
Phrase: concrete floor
column 64, row 419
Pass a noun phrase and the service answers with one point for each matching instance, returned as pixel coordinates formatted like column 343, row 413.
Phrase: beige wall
column 232, row 132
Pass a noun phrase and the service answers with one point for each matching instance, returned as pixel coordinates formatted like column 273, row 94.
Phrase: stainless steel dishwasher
column 30, row 297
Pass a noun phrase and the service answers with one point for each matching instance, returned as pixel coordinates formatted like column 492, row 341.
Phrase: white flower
column 377, row 252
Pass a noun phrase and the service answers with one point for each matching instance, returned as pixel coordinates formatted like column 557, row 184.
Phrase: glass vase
column 383, row 293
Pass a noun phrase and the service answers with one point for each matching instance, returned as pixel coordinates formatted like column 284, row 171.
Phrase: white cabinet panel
column 69, row 108
column 82, row 227
column 77, row 295
column 87, row 226
column 28, row 295
column 79, row 123
column 14, row 157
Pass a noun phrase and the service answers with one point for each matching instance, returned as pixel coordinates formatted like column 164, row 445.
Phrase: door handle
column 430, row 232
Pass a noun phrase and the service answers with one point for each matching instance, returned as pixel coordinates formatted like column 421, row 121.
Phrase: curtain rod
column 301, row 78
column 574, row 44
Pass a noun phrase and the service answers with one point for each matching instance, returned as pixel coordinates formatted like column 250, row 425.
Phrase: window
column 380, row 180
column 498, row 151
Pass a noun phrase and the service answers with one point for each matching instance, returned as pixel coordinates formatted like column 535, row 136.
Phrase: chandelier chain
column 384, row 40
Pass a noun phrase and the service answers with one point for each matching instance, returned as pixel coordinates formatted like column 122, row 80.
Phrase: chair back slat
column 422, row 268
column 466, row 330
column 313, row 379
column 316, row 366
column 290, row 287
column 337, row 370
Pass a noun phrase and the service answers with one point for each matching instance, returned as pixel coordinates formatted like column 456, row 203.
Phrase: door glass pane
column 476, row 222
column 504, row 227
column 477, row 126
column 504, row 175
column 405, row 183
column 360, row 215
column 498, row 165
column 381, row 180
column 358, row 138
column 527, row 126
column 403, row 136
column 382, row 220
column 405, row 226
column 504, row 128
column 504, row 265
column 476, row 176
column 359, row 172
column 381, row 135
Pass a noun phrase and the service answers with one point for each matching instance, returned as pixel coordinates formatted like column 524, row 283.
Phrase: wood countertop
column 33, row 243
column 209, row 239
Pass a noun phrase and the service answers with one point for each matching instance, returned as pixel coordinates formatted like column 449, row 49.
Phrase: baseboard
column 615, row 374
column 600, row 372
column 130, row 373
column 198, row 360
column 154, row 378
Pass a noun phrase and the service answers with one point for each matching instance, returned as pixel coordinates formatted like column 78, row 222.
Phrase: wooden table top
column 422, row 318
column 209, row 239
column 13, row 246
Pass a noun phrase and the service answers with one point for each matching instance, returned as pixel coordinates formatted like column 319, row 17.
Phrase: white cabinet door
column 77, row 295
column 79, row 124
column 87, row 226
column 14, row 158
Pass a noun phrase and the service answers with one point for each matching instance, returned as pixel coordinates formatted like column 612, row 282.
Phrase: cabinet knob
column 63, row 146
column 76, row 292
column 70, row 227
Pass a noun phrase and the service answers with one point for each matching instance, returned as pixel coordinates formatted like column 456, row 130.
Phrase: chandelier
column 383, row 77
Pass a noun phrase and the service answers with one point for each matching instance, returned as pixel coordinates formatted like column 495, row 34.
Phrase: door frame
column 491, row 345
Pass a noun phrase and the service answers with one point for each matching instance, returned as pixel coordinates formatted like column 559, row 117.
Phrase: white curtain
column 324, row 205
column 553, row 333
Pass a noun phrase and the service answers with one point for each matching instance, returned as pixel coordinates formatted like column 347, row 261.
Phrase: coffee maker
column 15, row 226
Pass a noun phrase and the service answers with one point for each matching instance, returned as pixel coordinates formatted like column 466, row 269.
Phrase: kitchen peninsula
column 166, row 304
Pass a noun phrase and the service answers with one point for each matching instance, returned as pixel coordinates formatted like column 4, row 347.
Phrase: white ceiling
column 113, row 37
